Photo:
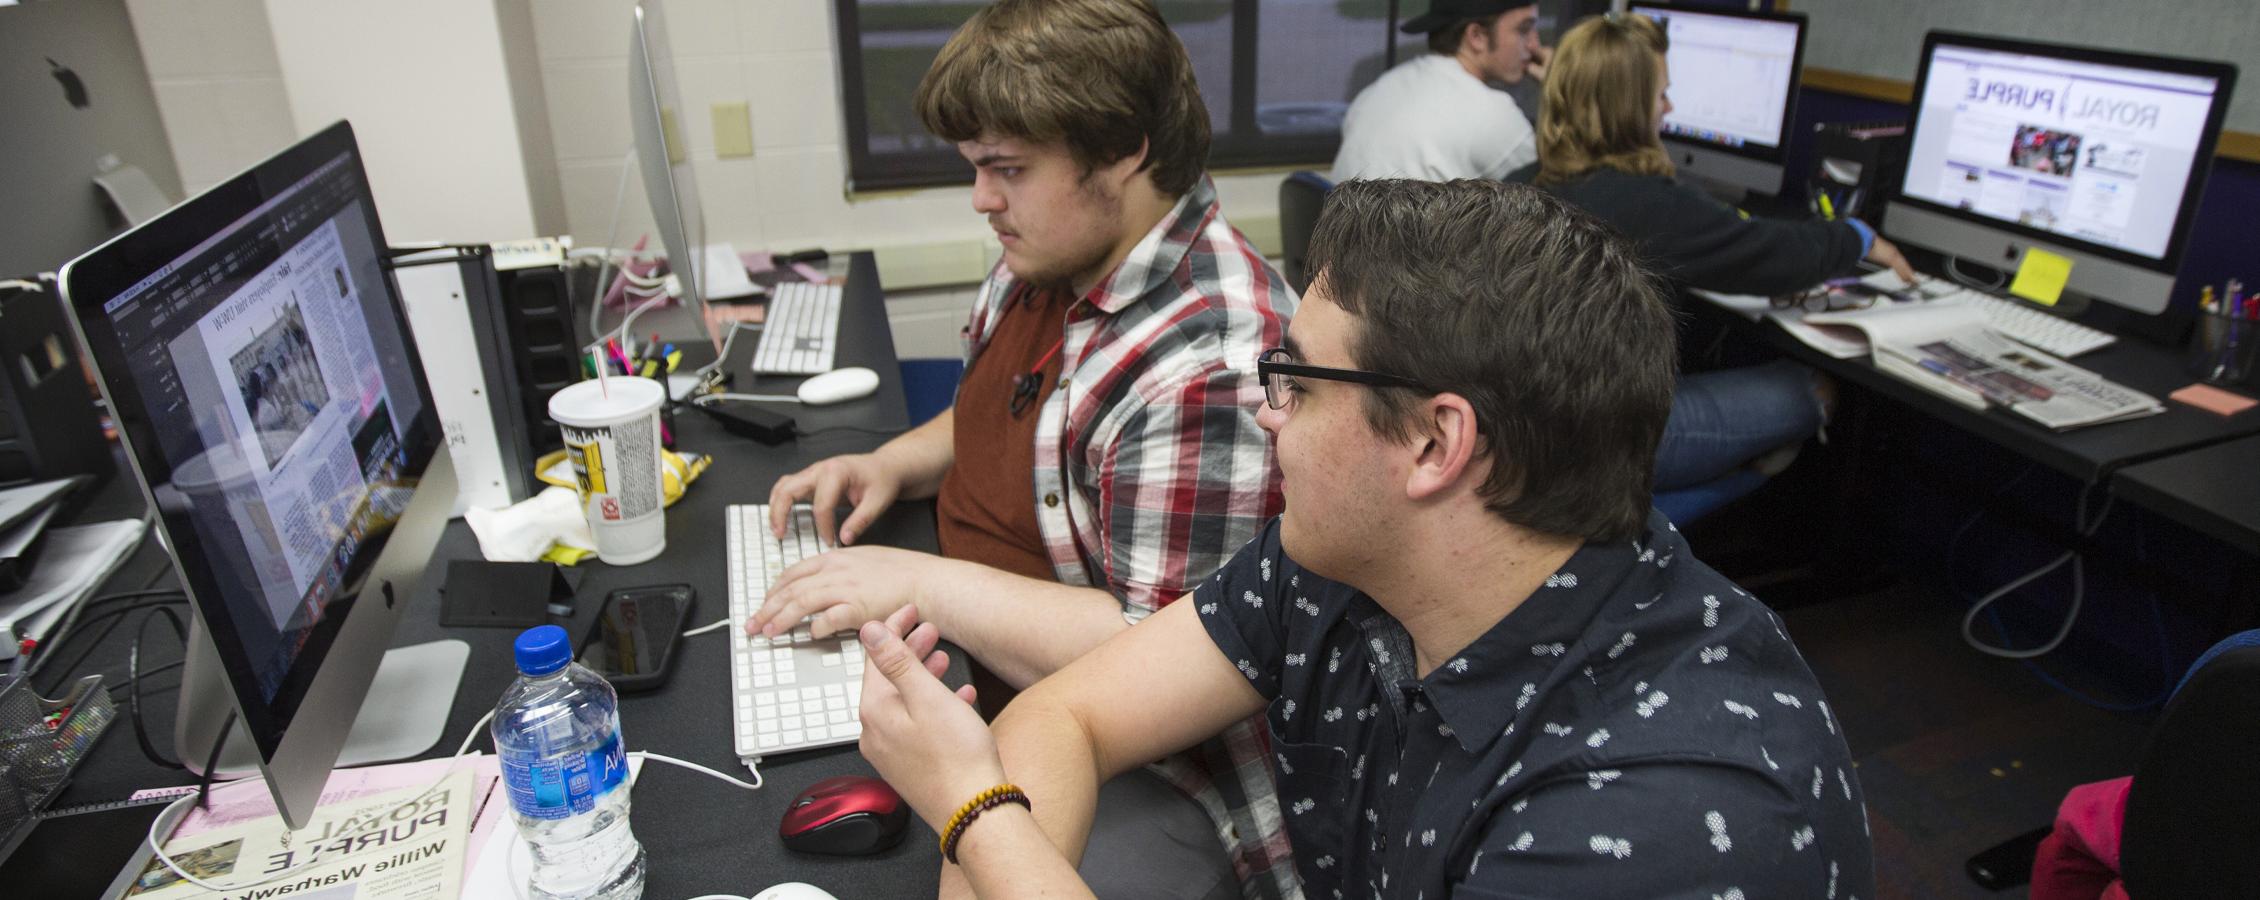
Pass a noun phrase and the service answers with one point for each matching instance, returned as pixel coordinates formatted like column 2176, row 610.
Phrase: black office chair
column 1300, row 198
column 2193, row 810
column 2189, row 831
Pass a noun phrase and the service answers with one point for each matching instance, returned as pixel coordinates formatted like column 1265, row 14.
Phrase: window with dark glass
column 1277, row 76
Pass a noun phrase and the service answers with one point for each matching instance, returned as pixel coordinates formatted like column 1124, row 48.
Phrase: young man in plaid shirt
column 1103, row 456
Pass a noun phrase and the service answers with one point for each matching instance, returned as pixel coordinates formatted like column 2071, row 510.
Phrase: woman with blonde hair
column 1599, row 147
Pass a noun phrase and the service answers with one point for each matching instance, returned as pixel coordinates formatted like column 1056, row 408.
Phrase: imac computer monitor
column 654, row 116
column 2092, row 154
column 1733, row 92
column 257, row 361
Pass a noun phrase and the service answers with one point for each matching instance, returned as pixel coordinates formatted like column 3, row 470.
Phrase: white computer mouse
column 794, row 890
column 838, row 386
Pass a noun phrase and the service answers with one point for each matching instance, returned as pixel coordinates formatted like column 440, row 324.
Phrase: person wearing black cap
column 1439, row 117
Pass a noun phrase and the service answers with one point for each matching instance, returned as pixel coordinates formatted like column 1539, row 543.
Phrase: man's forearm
column 923, row 455
column 1022, row 629
column 1048, row 753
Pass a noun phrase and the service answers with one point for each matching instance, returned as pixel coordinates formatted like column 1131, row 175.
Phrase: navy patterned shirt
column 1639, row 727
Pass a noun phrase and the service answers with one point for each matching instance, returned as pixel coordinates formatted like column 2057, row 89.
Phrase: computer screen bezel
column 1780, row 148
column 2201, row 163
column 92, row 280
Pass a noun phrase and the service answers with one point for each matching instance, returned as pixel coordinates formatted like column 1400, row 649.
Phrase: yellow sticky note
column 2041, row 277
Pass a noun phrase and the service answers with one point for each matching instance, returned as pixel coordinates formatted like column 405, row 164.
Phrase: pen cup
column 612, row 437
column 2225, row 349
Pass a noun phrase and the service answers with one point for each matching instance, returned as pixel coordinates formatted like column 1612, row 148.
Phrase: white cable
column 649, row 756
column 626, row 334
column 21, row 285
column 1954, row 270
column 2084, row 530
column 702, row 629
column 611, row 239
column 727, row 341
column 166, row 818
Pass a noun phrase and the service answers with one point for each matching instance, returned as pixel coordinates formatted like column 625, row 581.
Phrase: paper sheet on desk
column 1850, row 334
column 236, row 805
column 403, row 844
column 500, row 861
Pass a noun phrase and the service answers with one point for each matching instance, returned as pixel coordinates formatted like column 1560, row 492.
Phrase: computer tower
column 50, row 426
column 538, row 325
column 1855, row 164
column 452, row 299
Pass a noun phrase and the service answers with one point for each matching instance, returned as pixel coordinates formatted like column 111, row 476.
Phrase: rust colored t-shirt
column 986, row 512
column 987, row 508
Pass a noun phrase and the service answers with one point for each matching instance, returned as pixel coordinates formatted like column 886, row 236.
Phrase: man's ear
column 1447, row 445
column 1125, row 170
column 1470, row 31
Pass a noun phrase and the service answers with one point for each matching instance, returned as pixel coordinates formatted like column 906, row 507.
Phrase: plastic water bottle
column 557, row 731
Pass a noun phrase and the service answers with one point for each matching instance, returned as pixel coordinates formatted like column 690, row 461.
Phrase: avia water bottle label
column 608, row 766
column 562, row 788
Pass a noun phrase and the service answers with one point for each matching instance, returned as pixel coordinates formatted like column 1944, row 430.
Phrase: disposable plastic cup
column 612, row 437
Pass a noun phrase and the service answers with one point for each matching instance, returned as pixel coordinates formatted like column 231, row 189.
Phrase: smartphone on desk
column 632, row 643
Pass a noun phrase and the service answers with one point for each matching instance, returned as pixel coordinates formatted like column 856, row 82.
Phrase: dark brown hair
column 1105, row 77
column 1537, row 313
column 1446, row 40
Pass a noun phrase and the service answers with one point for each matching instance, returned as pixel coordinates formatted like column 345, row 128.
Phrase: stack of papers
column 72, row 563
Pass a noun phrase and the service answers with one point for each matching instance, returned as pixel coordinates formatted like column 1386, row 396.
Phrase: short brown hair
column 1446, row 40
column 1600, row 99
column 1537, row 313
column 1105, row 77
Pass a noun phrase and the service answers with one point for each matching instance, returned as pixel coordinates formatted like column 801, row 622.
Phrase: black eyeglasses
column 1278, row 370
column 1836, row 295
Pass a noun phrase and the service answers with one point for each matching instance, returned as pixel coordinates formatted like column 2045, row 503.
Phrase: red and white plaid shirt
column 1150, row 470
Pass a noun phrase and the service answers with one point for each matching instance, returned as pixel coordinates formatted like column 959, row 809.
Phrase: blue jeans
column 1720, row 421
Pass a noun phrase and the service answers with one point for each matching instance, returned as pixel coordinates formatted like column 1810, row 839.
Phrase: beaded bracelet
column 981, row 803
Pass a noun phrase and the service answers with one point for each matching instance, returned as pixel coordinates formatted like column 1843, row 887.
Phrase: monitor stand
column 403, row 715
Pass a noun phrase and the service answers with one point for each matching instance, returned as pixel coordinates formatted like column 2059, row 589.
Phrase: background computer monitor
column 72, row 91
column 2093, row 154
column 654, row 116
column 1733, row 92
column 257, row 360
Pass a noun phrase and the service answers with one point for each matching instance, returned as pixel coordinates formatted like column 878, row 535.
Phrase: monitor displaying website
column 2090, row 151
column 279, row 390
column 1731, row 76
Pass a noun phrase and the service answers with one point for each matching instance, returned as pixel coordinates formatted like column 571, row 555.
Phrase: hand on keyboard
column 863, row 479
column 840, row 590
column 926, row 740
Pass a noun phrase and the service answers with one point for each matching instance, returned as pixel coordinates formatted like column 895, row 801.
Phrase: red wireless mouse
column 851, row 815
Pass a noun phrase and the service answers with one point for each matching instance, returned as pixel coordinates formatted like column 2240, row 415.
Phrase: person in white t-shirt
column 1441, row 116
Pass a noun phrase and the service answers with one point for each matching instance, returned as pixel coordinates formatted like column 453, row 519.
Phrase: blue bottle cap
column 542, row 649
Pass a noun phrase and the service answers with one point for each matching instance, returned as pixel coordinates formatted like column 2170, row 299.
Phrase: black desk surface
column 2215, row 490
column 2088, row 454
column 702, row 836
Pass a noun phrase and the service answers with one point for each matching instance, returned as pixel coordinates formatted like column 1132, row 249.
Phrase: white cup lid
column 593, row 402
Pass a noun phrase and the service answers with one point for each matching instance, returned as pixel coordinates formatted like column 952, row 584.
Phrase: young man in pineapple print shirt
column 1488, row 668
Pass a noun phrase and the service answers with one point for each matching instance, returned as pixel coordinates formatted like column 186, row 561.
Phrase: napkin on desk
column 527, row 531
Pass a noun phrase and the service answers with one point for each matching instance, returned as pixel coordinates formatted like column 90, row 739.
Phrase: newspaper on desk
column 404, row 844
column 1836, row 340
column 1946, row 348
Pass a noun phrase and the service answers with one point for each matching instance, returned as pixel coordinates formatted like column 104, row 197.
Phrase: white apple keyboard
column 800, row 331
column 2014, row 320
column 794, row 691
